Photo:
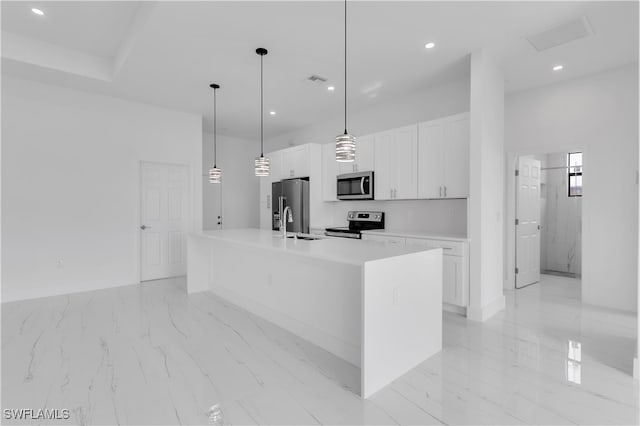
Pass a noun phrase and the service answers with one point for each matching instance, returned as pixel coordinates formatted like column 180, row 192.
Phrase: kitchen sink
column 307, row 237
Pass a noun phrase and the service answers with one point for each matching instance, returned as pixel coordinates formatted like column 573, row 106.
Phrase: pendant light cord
column 345, row 67
column 215, row 145
column 261, row 108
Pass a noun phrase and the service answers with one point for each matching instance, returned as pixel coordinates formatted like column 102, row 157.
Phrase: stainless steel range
column 358, row 221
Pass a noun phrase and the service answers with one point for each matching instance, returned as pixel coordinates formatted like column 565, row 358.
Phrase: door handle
column 219, row 223
column 362, row 185
column 143, row 227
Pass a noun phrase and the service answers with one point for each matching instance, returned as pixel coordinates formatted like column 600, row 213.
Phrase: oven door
column 355, row 186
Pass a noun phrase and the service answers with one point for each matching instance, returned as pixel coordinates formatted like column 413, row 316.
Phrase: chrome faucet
column 285, row 212
column 288, row 214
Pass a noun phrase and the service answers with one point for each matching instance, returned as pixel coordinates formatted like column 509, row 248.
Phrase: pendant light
column 262, row 163
column 345, row 143
column 215, row 174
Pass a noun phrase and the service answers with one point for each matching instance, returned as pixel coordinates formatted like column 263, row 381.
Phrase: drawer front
column 395, row 241
column 418, row 242
column 452, row 248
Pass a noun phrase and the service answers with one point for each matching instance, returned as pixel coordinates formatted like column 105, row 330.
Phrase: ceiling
column 167, row 53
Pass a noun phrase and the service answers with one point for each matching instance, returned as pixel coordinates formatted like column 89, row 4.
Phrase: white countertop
column 418, row 234
column 341, row 250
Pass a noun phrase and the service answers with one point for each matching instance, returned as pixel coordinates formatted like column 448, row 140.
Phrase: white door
column 528, row 222
column 405, row 162
column 164, row 220
column 211, row 204
column 456, row 157
column 430, row 159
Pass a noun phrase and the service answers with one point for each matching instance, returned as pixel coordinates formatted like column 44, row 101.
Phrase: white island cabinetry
column 374, row 306
column 455, row 262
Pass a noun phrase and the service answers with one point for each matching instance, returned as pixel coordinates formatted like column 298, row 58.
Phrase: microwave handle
column 362, row 185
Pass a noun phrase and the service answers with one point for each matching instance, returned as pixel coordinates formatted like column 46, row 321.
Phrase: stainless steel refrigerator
column 295, row 193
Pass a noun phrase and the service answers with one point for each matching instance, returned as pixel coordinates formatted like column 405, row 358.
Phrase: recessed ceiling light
column 272, row 112
column 331, row 88
column 37, row 11
column 558, row 68
column 430, row 45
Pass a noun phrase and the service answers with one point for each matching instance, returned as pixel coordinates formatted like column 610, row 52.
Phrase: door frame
column 138, row 208
column 511, row 164
column 516, row 199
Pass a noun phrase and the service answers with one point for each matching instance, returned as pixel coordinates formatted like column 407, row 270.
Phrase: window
column 574, row 181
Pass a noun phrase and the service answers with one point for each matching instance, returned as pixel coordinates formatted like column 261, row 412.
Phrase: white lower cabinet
column 455, row 269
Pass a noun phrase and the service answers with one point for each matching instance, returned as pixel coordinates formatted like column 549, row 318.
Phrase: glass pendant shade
column 345, row 148
column 215, row 175
column 262, row 166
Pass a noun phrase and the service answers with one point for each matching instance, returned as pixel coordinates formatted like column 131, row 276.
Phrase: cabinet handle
column 440, row 192
column 395, row 193
column 445, row 191
column 390, row 193
column 268, row 202
column 447, row 248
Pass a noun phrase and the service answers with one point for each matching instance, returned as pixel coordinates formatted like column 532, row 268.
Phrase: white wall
column 239, row 191
column 486, row 196
column 448, row 216
column 597, row 114
column 70, row 185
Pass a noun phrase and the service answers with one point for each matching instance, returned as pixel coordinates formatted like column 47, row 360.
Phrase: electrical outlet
column 396, row 295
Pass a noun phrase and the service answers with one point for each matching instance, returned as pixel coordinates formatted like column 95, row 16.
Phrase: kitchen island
column 375, row 306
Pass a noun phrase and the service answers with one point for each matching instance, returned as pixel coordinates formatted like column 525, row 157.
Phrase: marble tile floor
column 150, row 354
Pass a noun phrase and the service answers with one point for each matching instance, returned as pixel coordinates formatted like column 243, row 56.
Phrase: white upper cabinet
column 329, row 172
column 295, row 162
column 275, row 169
column 365, row 152
column 443, row 157
column 456, row 156
column 396, row 164
column 430, row 170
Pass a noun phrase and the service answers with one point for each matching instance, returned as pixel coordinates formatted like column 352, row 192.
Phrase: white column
column 486, row 188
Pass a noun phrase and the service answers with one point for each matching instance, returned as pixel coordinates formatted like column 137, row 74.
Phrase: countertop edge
column 416, row 234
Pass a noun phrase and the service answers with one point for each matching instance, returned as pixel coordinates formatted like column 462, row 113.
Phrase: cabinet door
column 265, row 203
column 456, row 156
column 430, row 159
column 275, row 172
column 295, row 161
column 365, row 153
column 329, row 172
column 345, row 167
column 404, row 166
column 383, row 178
column 453, row 281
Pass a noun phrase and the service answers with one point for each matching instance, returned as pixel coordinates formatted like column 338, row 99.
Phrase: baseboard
column 454, row 309
column 484, row 313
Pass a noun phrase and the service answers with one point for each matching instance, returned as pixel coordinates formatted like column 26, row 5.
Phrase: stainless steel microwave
column 355, row 186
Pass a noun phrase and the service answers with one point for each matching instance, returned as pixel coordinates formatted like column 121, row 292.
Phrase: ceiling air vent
column 317, row 79
column 561, row 34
